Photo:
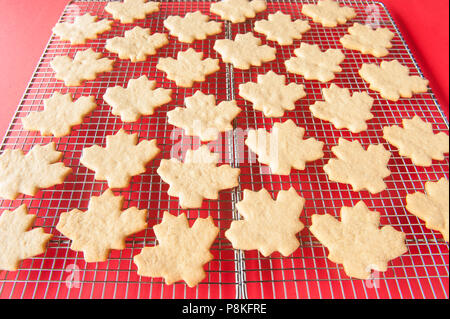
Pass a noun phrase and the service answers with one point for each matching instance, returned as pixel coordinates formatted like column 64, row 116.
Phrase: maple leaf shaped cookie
column 182, row 251
column 238, row 10
column 344, row 110
column 314, row 64
column 198, row 177
column 360, row 168
column 60, row 114
column 417, row 141
column 17, row 241
column 328, row 13
column 84, row 66
column 269, row 225
column 271, row 95
column 137, row 44
column 104, row 226
column 367, row 40
column 432, row 207
column 357, row 242
column 121, row 159
column 26, row 174
column 284, row 147
column 201, row 117
column 193, row 26
column 188, row 67
column 280, row 28
column 392, row 80
column 130, row 10
column 84, row 27
column 246, row 50
column 139, row 98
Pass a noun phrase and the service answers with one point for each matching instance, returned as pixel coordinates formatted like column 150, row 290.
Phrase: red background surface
column 26, row 28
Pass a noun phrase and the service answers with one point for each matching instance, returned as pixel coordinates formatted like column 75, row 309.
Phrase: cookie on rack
column 202, row 117
column 432, row 207
column 60, row 114
column 268, row 225
column 271, row 95
column 83, row 28
column 344, row 110
column 284, row 147
column 193, row 26
column 130, row 10
column 313, row 64
column 188, row 67
column 244, row 51
column 182, row 251
column 26, row 174
column 362, row 169
column 17, row 240
column 197, row 177
column 238, row 10
column 357, row 242
column 417, row 141
column 366, row 40
column 392, row 80
column 104, row 226
column 84, row 66
column 328, row 13
column 139, row 98
column 121, row 159
column 280, row 28
column 137, row 44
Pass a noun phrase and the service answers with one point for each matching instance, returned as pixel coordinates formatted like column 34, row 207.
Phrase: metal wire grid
column 421, row 273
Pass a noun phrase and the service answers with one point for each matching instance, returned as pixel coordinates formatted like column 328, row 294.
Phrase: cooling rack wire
column 62, row 273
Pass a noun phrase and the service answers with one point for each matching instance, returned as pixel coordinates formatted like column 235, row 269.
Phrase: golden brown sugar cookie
column 17, row 240
column 104, row 226
column 197, row 177
column 357, row 242
column 268, row 225
column 182, row 251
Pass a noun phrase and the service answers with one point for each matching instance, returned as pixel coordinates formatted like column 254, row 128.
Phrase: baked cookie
column 198, row 177
column 182, row 251
column 280, row 28
column 268, row 225
column 193, row 26
column 357, row 242
column 188, row 67
column 139, row 98
column 104, row 226
column 137, row 44
column 238, row 10
column 83, row 28
column 362, row 169
column 271, row 95
column 344, row 110
column 60, row 114
column 432, row 207
column 366, row 40
column 392, row 80
column 314, row 64
column 121, row 159
column 417, row 141
column 201, row 117
column 17, row 240
column 26, row 174
column 244, row 51
column 130, row 10
column 84, row 66
column 328, row 13
column 284, row 147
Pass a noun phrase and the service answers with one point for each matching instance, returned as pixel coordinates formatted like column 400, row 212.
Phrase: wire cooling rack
column 62, row 273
